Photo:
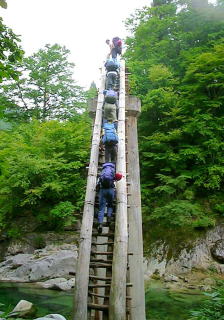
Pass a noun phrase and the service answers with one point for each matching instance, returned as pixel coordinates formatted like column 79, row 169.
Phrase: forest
column 175, row 57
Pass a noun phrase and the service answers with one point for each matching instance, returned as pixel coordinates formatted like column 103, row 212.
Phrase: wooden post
column 135, row 242
column 82, row 269
column 92, row 106
column 117, row 301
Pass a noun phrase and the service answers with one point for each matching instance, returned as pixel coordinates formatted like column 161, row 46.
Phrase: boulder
column 58, row 284
column 50, row 262
column 171, row 278
column 52, row 316
column 217, row 251
column 24, row 309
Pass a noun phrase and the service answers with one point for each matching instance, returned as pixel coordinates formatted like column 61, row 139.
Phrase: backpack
column 117, row 42
column 107, row 175
column 110, row 136
column 110, row 96
column 111, row 65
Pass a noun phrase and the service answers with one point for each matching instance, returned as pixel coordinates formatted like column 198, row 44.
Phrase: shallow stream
column 161, row 304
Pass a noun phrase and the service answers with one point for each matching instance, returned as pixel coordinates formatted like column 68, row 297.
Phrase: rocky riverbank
column 203, row 251
column 52, row 266
column 27, row 310
column 49, row 260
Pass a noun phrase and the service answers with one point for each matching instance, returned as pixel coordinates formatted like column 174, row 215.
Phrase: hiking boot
column 100, row 228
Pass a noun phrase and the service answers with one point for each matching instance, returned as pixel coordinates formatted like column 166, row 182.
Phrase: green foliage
column 42, row 168
column 63, row 214
column 14, row 232
column 46, row 89
column 176, row 64
column 3, row 4
column 10, row 52
column 213, row 308
column 179, row 213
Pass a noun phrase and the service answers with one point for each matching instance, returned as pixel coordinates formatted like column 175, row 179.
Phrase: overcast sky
column 81, row 25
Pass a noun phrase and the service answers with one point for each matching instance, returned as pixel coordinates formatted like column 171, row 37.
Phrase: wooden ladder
column 101, row 289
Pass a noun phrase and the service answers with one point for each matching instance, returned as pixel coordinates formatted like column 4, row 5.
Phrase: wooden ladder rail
column 135, row 240
column 83, row 263
column 117, row 300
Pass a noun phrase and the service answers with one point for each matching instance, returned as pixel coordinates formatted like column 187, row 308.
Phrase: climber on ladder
column 106, row 188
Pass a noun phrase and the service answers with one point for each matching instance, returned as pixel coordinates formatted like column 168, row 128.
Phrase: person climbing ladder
column 115, row 47
column 106, row 188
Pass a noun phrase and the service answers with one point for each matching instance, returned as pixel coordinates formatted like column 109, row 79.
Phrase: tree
column 42, row 166
column 176, row 65
column 10, row 52
column 46, row 89
column 3, row 4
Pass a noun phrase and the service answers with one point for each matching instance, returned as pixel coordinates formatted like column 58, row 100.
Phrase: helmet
column 118, row 176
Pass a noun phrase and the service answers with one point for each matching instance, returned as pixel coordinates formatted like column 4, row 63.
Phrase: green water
column 161, row 304
column 47, row 301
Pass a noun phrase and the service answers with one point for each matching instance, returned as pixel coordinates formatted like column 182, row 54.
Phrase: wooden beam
column 117, row 301
column 135, row 241
column 83, row 263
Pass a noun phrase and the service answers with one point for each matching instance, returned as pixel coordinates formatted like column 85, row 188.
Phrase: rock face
column 217, row 251
column 54, row 264
column 206, row 252
column 51, row 262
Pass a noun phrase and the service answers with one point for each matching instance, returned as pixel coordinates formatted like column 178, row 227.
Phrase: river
column 161, row 304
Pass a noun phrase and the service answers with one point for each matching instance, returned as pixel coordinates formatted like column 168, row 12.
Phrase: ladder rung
column 105, row 224
column 102, row 253
column 103, row 234
column 129, row 284
column 98, row 306
column 100, row 278
column 101, row 296
column 102, row 243
column 98, row 295
column 101, row 260
column 106, row 285
column 100, row 265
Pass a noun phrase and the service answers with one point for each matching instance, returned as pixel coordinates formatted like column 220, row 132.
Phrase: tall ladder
column 107, row 275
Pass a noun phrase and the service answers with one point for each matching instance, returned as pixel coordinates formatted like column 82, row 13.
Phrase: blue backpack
column 110, row 136
column 107, row 175
column 110, row 96
column 111, row 65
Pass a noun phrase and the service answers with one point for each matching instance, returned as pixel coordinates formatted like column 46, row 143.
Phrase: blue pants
column 106, row 198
